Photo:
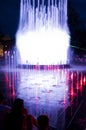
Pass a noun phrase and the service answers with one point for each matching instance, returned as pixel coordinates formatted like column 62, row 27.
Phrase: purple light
column 43, row 37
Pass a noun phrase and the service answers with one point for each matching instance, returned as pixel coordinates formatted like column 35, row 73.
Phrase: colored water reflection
column 44, row 91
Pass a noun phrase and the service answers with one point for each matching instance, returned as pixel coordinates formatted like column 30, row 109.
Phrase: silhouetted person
column 43, row 122
column 18, row 118
column 31, row 121
column 4, row 109
column 14, row 120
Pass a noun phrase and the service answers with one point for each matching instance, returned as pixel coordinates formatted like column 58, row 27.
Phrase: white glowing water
column 43, row 36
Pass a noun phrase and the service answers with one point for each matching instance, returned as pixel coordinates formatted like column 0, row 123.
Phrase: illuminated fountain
column 43, row 36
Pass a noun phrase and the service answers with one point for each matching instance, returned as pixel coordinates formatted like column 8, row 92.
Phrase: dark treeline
column 77, row 30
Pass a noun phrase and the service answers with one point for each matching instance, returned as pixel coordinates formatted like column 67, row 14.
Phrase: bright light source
column 41, row 39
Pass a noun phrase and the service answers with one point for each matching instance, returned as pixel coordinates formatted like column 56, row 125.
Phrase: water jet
column 43, row 36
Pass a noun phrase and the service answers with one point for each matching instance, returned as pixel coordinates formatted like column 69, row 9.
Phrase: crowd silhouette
column 17, row 117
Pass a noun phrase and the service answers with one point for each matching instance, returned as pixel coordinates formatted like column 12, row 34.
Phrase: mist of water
column 43, row 36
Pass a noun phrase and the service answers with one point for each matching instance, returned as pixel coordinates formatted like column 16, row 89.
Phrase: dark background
column 9, row 20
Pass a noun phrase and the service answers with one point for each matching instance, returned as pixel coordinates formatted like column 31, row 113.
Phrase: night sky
column 80, row 7
column 9, row 16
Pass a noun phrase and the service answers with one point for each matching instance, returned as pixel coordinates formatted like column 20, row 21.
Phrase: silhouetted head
column 18, row 106
column 43, row 122
column 1, row 98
